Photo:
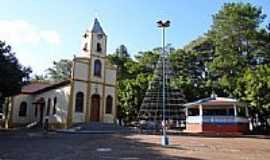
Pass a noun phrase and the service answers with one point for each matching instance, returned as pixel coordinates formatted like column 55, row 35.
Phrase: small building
column 217, row 114
column 89, row 94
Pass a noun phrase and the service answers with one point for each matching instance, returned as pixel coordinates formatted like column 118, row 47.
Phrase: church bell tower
column 94, row 41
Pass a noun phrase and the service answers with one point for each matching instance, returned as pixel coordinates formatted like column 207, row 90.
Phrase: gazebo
column 217, row 114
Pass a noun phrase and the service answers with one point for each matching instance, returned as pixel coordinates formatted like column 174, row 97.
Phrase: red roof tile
column 37, row 87
column 34, row 87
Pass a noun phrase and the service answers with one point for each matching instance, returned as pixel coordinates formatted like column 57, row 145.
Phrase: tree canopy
column 13, row 75
column 133, row 76
column 61, row 70
column 231, row 59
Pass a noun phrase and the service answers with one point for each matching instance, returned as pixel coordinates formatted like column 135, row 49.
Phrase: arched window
column 85, row 47
column 48, row 107
column 99, row 48
column 79, row 102
column 23, row 109
column 109, row 103
column 97, row 68
column 54, row 105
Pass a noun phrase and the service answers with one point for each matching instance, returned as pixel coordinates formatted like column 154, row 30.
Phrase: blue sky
column 43, row 31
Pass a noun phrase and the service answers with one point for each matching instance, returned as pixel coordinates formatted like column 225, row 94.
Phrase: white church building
column 89, row 94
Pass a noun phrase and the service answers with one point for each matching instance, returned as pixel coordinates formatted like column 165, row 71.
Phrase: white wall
column 62, row 95
column 96, row 89
column 81, row 71
column 17, row 100
column 109, row 117
column 110, row 76
column 86, row 53
column 79, row 87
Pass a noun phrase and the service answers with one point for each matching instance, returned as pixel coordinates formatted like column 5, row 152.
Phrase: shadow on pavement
column 36, row 145
column 152, row 150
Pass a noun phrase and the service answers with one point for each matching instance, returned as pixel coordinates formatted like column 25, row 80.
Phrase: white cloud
column 22, row 32
column 50, row 36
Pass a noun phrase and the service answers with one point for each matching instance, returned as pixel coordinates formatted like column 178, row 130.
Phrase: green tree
column 122, row 51
column 39, row 77
column 256, row 85
column 240, row 63
column 132, row 77
column 233, row 33
column 12, row 74
column 60, row 70
column 130, row 95
column 232, row 59
column 190, row 66
column 147, row 60
column 120, row 58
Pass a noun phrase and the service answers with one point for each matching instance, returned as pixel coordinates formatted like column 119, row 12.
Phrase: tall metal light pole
column 163, row 25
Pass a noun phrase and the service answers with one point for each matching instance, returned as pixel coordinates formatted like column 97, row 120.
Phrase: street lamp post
column 164, row 138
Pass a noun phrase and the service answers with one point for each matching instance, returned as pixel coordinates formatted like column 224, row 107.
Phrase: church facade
column 89, row 94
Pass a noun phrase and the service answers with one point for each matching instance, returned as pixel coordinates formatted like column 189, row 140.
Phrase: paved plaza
column 35, row 145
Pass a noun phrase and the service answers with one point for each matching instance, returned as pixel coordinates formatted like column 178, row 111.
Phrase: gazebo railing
column 216, row 119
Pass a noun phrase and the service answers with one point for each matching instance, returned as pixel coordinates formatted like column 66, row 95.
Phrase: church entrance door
column 95, row 107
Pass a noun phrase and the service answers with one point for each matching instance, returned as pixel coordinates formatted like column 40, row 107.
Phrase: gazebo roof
column 213, row 100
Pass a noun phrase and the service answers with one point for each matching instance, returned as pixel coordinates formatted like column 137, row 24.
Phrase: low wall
column 217, row 128
column 225, row 124
column 193, row 128
column 226, row 128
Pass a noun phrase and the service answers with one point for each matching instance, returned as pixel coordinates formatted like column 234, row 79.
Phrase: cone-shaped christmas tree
column 152, row 108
